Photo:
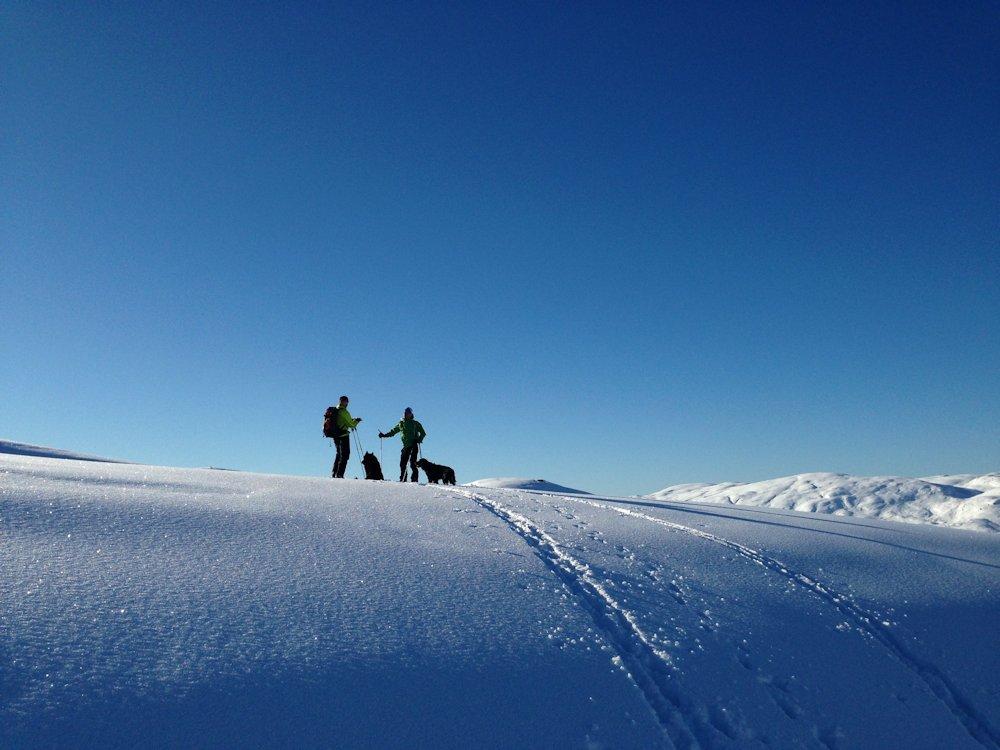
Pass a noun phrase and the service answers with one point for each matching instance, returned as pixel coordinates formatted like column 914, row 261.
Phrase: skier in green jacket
column 412, row 433
column 345, row 423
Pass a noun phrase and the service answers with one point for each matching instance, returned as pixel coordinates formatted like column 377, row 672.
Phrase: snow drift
column 158, row 607
column 972, row 503
column 519, row 483
column 24, row 449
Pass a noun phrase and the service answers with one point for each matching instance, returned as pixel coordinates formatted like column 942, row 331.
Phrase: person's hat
column 408, row 410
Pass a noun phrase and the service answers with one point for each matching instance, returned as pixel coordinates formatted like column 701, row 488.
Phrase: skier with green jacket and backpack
column 412, row 434
column 337, row 424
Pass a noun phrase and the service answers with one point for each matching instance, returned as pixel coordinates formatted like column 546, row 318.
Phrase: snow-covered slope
column 23, row 449
column 520, row 483
column 156, row 607
column 965, row 505
column 983, row 482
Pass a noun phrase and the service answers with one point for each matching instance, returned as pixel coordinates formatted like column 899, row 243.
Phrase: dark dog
column 436, row 473
column 373, row 469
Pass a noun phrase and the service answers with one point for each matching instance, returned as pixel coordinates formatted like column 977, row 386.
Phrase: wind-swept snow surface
column 961, row 501
column 159, row 607
column 520, row 483
column 24, row 449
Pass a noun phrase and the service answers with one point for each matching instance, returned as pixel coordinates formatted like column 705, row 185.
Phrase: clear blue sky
column 617, row 246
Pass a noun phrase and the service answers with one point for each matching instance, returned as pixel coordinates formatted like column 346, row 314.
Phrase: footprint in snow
column 779, row 689
column 675, row 592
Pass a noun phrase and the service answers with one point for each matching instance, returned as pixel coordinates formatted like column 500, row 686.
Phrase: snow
column 519, row 483
column 959, row 501
column 161, row 607
column 985, row 482
column 24, row 449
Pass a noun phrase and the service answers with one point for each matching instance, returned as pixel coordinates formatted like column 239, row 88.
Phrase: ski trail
column 865, row 620
column 649, row 666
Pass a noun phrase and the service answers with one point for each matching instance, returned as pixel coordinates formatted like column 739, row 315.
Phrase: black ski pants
column 343, row 444
column 409, row 454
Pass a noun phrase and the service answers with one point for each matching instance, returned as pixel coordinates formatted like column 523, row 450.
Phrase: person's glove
column 381, row 434
column 357, row 420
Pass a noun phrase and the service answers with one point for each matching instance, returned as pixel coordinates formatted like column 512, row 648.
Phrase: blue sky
column 617, row 248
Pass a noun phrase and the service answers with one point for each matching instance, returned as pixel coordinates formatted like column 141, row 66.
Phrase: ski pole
column 357, row 442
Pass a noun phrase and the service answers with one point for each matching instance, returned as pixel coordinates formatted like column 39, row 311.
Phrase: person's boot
column 415, row 477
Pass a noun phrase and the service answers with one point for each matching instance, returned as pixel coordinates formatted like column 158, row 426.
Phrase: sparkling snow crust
column 159, row 607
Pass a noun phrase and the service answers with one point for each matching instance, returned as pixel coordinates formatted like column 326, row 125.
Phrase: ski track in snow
column 649, row 666
column 281, row 556
column 867, row 621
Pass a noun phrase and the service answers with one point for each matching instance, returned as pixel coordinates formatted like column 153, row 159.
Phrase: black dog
column 436, row 473
column 373, row 469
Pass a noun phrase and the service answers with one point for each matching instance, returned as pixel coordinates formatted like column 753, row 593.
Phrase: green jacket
column 344, row 419
column 411, row 432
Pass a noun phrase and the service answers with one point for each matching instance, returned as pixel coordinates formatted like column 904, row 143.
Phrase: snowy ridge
column 24, row 449
column 519, row 483
column 983, row 483
column 973, row 503
column 158, row 607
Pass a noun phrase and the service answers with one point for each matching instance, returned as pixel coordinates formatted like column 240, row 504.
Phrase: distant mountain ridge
column 963, row 501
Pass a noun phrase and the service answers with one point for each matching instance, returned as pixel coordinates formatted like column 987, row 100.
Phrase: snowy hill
column 23, row 449
column 965, row 501
column 983, row 483
column 519, row 483
column 156, row 607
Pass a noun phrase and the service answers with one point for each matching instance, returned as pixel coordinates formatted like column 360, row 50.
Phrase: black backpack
column 331, row 428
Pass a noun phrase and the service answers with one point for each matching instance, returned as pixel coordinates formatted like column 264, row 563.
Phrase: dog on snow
column 373, row 469
column 437, row 473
